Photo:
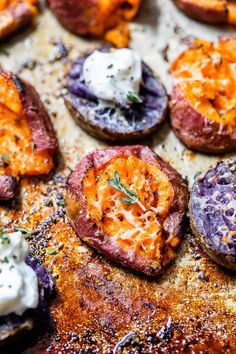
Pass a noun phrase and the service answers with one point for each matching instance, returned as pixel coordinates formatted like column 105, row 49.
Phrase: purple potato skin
column 140, row 119
column 13, row 327
column 89, row 232
column 209, row 212
column 8, row 186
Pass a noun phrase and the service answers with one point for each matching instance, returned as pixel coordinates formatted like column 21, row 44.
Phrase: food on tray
column 97, row 18
column 25, row 287
column 203, row 112
column 212, row 212
column 15, row 14
column 27, row 138
column 115, row 96
column 7, row 187
column 128, row 204
column 210, row 11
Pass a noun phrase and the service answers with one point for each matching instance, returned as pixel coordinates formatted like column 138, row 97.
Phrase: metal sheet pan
column 99, row 303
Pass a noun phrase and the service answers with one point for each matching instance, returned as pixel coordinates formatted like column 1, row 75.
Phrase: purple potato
column 213, row 212
column 116, row 122
column 14, row 327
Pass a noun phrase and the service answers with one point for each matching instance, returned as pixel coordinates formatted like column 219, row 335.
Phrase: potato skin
column 228, row 262
column 204, row 12
column 196, row 131
column 38, row 120
column 89, row 232
column 107, row 134
column 223, row 259
column 7, row 187
column 142, row 119
column 39, row 123
column 15, row 17
column 97, row 18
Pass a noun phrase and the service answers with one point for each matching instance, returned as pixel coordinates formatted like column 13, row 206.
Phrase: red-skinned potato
column 16, row 14
column 203, row 106
column 98, row 18
column 209, row 11
column 27, row 138
column 128, row 204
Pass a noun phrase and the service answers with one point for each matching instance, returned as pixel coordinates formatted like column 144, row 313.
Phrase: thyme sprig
column 131, row 197
column 4, row 234
column 4, row 238
column 26, row 232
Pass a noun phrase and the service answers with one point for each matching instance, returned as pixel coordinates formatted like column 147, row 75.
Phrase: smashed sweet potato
column 204, row 96
column 210, row 11
column 27, row 139
column 15, row 14
column 99, row 18
column 128, row 204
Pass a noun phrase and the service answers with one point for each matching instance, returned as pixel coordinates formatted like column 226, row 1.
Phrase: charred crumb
column 29, row 64
column 41, row 232
column 203, row 277
column 164, row 53
column 60, row 52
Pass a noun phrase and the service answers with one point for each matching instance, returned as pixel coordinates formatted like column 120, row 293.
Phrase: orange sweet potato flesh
column 210, row 11
column 206, row 75
column 18, row 155
column 129, row 225
column 15, row 14
column 142, row 235
column 99, row 18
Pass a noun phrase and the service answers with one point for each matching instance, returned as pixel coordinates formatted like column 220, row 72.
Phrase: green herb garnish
column 52, row 251
column 197, row 174
column 5, row 160
column 131, row 196
column 134, row 97
column 26, row 232
column 4, row 238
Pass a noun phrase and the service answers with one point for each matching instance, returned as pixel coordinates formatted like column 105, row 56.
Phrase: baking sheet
column 97, row 302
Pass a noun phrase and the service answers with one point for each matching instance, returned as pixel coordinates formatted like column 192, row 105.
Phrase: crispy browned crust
column 196, row 131
column 39, row 123
column 204, row 12
column 15, row 17
column 105, row 134
column 7, row 187
column 93, row 235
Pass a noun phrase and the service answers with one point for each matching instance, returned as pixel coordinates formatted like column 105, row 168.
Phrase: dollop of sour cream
column 18, row 282
column 113, row 76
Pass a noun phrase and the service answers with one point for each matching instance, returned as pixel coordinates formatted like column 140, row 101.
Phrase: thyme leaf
column 26, row 232
column 4, row 238
column 131, row 197
column 134, row 97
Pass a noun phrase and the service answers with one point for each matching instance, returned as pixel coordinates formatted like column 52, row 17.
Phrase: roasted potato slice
column 99, row 18
column 212, row 212
column 210, row 11
column 203, row 112
column 27, row 138
column 128, row 204
column 15, row 14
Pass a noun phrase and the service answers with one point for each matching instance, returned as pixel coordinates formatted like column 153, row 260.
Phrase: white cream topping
column 113, row 76
column 18, row 282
